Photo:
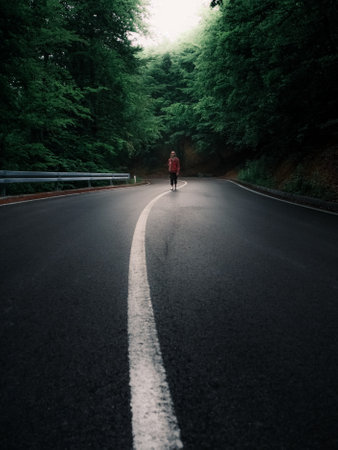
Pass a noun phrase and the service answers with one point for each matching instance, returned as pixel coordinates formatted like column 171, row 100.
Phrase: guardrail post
column 3, row 190
column 89, row 184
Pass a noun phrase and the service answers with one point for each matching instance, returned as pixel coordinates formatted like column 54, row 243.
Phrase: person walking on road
column 174, row 169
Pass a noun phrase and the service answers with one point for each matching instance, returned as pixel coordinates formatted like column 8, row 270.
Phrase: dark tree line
column 258, row 75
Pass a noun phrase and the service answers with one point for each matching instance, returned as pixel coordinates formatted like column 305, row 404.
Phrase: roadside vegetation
column 298, row 179
column 253, row 89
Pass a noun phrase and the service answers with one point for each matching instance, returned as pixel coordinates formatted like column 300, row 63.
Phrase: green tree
column 72, row 91
column 39, row 100
column 266, row 72
column 104, row 65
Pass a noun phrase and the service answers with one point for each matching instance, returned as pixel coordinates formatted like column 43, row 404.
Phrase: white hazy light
column 168, row 19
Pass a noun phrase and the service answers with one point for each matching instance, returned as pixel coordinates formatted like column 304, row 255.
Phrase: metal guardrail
column 19, row 176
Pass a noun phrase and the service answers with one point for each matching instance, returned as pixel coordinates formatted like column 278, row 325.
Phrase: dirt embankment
column 317, row 168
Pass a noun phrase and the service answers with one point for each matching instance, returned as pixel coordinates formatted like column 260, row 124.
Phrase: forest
column 254, row 87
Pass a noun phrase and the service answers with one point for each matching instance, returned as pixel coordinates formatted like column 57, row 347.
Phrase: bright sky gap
column 168, row 20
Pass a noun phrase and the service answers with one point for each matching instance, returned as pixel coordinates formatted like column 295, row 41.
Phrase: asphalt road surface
column 244, row 295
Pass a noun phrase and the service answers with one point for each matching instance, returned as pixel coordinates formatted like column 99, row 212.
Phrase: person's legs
column 172, row 179
column 175, row 180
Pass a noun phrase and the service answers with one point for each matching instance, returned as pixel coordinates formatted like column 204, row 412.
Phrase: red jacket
column 174, row 165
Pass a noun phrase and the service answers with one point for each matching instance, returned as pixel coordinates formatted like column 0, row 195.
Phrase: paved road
column 244, row 291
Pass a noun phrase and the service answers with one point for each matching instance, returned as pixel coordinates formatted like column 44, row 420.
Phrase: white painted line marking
column 154, row 422
column 283, row 200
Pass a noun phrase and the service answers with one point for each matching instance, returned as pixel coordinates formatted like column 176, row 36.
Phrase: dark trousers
column 173, row 178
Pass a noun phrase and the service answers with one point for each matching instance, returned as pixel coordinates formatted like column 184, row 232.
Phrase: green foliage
column 257, row 75
column 313, row 186
column 258, row 172
column 73, row 95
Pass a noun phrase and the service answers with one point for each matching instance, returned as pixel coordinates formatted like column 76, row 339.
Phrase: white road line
column 154, row 422
column 282, row 199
